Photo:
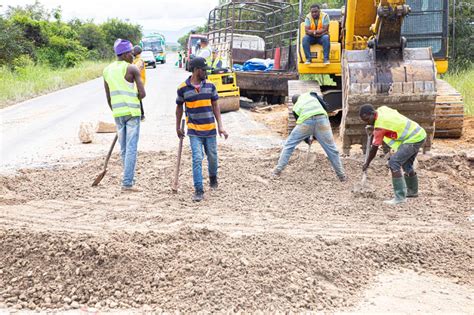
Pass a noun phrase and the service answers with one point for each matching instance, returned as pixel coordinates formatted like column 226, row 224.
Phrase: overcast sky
column 151, row 14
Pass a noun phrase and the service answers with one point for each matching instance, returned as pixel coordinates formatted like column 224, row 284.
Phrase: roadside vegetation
column 463, row 81
column 40, row 53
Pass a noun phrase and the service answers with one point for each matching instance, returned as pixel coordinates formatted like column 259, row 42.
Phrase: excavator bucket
column 405, row 82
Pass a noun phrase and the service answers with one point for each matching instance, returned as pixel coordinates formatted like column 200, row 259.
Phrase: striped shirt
column 199, row 114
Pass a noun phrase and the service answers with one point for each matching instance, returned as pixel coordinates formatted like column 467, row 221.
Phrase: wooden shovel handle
column 178, row 161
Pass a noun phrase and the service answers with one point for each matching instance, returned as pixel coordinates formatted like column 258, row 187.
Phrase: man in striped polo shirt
column 202, row 111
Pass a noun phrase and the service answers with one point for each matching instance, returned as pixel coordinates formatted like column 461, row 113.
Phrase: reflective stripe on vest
column 407, row 130
column 123, row 95
column 307, row 106
column 320, row 21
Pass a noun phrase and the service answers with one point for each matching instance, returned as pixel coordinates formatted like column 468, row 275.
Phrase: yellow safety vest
column 307, row 106
column 407, row 130
column 138, row 61
column 123, row 95
column 320, row 21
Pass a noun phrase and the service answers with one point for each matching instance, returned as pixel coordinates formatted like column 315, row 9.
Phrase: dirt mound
column 195, row 270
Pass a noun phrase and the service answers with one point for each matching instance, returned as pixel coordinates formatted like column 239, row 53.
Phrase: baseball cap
column 200, row 63
column 122, row 46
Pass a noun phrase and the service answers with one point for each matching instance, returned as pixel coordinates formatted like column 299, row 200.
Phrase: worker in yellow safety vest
column 317, row 32
column 205, row 51
column 402, row 135
column 140, row 63
column 216, row 59
column 124, row 89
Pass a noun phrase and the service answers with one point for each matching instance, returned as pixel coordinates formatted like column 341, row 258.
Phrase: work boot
column 400, row 190
column 412, row 186
column 327, row 62
column 213, row 182
column 130, row 189
column 198, row 195
column 342, row 178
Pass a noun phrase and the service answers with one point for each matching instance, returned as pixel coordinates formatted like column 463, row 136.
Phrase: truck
column 264, row 30
column 156, row 43
column 192, row 46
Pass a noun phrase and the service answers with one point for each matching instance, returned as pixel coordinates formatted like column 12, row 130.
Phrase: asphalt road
column 44, row 131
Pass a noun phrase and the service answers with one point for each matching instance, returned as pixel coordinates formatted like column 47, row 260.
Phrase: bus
column 155, row 42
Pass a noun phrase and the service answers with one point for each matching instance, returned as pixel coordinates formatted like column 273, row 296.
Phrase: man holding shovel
column 402, row 135
column 202, row 111
column 311, row 120
column 124, row 89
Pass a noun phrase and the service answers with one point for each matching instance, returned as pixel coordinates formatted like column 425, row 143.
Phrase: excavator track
column 407, row 84
column 449, row 111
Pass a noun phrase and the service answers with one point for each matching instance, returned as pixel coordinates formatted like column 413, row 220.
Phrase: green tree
column 462, row 50
column 115, row 28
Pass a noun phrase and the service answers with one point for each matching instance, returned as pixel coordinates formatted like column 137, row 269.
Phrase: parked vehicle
column 148, row 58
column 192, row 46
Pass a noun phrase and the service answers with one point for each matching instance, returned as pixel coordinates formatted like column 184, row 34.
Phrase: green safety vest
column 307, row 106
column 407, row 130
column 124, row 96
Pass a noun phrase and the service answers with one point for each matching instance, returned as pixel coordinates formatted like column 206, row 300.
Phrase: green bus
column 155, row 42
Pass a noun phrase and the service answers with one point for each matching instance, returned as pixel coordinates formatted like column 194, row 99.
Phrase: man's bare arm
column 107, row 93
column 179, row 116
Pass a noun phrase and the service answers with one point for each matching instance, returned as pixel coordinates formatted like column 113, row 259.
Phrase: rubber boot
column 400, row 190
column 213, row 182
column 412, row 186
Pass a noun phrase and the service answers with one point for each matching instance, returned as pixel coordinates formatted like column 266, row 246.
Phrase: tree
column 115, row 28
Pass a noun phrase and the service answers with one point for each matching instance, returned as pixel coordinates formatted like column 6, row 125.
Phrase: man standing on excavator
column 317, row 32
column 404, row 136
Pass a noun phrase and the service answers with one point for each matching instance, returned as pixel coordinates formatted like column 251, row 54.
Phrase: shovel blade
column 99, row 178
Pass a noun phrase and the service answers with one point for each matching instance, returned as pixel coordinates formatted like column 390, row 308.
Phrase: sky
column 170, row 15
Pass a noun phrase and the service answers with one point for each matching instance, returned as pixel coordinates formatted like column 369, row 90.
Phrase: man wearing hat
column 205, row 51
column 199, row 96
column 124, row 89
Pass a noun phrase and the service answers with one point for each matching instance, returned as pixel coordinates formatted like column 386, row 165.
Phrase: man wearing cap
column 402, row 135
column 124, row 89
column 202, row 111
column 311, row 122
column 140, row 63
column 205, row 51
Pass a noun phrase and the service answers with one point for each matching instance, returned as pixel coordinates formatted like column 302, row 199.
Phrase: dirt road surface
column 302, row 242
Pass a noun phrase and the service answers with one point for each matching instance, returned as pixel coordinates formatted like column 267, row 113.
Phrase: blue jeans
column 209, row 144
column 320, row 128
column 128, row 130
column 405, row 157
column 310, row 40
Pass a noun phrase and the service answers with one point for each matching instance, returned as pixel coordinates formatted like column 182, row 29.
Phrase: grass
column 31, row 81
column 463, row 81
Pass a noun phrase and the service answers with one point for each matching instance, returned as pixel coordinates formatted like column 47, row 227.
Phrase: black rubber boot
column 412, row 186
column 213, row 182
column 198, row 195
column 400, row 190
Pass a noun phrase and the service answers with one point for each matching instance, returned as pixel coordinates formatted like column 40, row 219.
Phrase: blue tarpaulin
column 255, row 64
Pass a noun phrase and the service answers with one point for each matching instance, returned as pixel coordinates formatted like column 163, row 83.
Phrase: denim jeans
column 320, row 128
column 199, row 146
column 128, row 130
column 310, row 40
column 405, row 157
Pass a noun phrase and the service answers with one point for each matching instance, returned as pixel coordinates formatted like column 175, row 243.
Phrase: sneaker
column 342, row 179
column 130, row 189
column 327, row 62
column 213, row 182
column 276, row 173
column 198, row 196
column 308, row 62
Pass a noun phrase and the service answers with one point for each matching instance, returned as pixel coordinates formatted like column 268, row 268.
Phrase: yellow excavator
column 384, row 52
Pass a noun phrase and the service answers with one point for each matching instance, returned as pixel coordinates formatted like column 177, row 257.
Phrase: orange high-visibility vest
column 322, row 15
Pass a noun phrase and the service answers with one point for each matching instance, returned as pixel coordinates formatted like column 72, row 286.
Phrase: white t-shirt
column 204, row 52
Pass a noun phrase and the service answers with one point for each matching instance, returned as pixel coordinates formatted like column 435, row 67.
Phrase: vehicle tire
column 154, row 66
column 164, row 61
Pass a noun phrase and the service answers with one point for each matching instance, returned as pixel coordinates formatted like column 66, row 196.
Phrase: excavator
column 381, row 57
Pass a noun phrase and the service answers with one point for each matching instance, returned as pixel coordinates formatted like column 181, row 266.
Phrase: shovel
column 174, row 186
column 368, row 130
column 101, row 175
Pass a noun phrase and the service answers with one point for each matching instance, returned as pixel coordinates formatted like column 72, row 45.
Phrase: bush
column 21, row 62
